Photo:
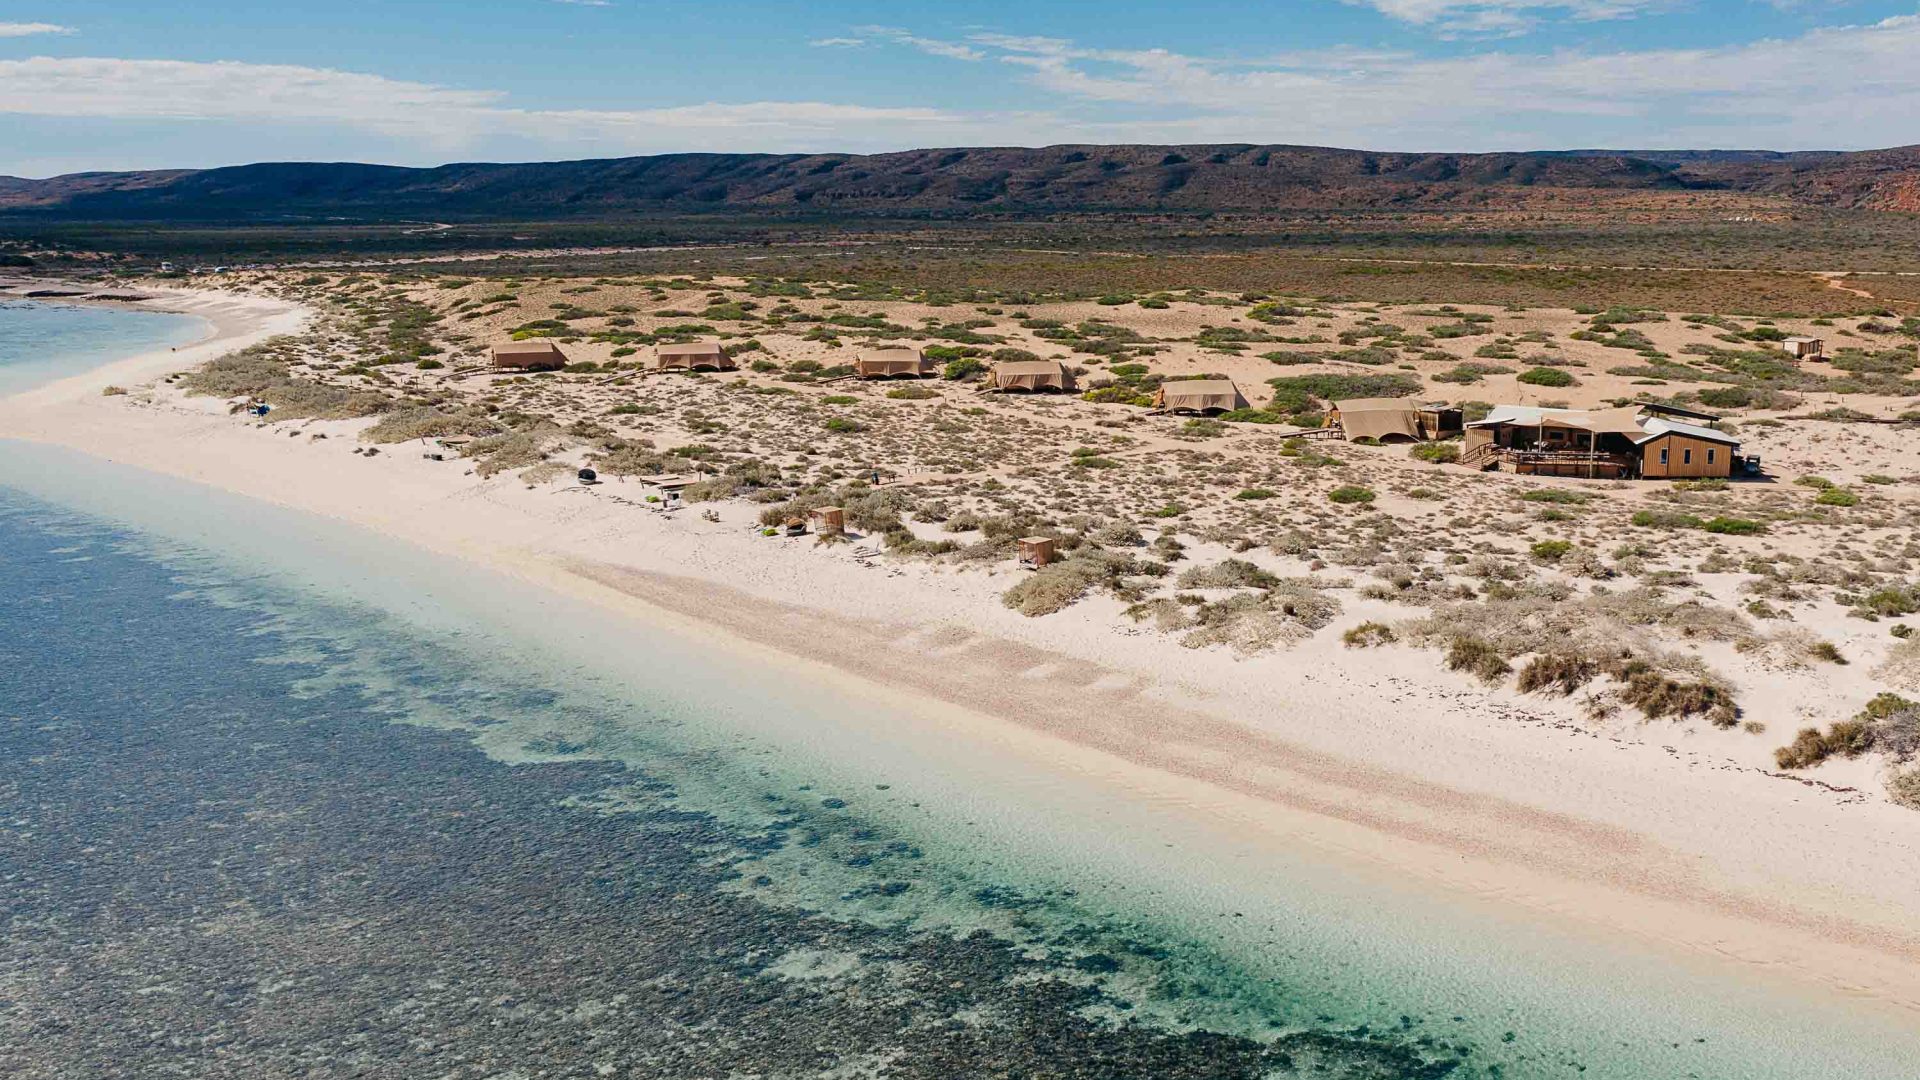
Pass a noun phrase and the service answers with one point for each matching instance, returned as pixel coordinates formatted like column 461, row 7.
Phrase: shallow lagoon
column 42, row 342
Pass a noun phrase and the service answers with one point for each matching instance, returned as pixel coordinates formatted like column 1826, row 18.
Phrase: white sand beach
column 1379, row 756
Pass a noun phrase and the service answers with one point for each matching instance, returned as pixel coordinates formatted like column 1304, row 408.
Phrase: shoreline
column 1484, row 795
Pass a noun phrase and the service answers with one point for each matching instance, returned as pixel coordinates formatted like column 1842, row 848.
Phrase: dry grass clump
column 1657, row 694
column 1902, row 665
column 1889, row 724
column 1556, row 673
column 1369, row 634
column 430, row 422
column 1251, row 623
column 1227, row 574
column 516, row 449
column 1057, row 586
column 1478, row 658
column 262, row 371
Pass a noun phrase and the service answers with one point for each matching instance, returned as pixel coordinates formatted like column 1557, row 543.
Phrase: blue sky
column 114, row 84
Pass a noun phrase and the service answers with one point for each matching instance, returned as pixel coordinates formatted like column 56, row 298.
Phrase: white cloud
column 951, row 50
column 442, row 117
column 32, row 29
column 837, row 42
column 1729, row 96
column 1504, row 17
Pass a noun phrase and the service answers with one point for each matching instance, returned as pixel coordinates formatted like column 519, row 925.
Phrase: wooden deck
column 1574, row 463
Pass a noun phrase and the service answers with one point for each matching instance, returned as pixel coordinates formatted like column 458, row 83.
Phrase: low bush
column 1351, row 494
column 1733, row 526
column 1437, row 453
column 1369, row 634
column 1478, row 658
column 1556, row 673
column 1545, row 376
column 1550, row 550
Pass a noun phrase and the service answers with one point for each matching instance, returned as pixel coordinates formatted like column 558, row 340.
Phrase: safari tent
column 892, row 364
column 1030, row 375
column 534, row 355
column 1802, row 348
column 1392, row 419
column 699, row 356
column 1199, row 395
column 1380, row 419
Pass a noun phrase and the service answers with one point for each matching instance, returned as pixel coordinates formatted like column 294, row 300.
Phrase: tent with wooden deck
column 1030, row 375
column 536, row 354
column 892, row 364
column 698, row 356
column 1199, row 395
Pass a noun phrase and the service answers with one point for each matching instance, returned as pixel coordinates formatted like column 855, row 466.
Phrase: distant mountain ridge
column 976, row 179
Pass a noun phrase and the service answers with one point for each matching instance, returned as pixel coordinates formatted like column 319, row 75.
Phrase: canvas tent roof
column 1627, row 421
column 532, row 353
column 697, row 354
column 1201, row 394
column 1379, row 418
column 891, row 362
column 1799, row 341
column 1030, row 375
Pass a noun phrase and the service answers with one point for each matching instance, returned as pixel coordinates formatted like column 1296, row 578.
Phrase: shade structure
column 1030, row 375
column 699, row 356
column 534, row 355
column 892, row 363
column 1380, row 419
column 1036, row 551
column 1200, row 395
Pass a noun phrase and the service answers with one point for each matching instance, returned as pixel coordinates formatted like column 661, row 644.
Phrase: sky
column 130, row 84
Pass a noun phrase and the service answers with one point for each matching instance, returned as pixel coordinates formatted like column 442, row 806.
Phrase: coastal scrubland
column 1773, row 614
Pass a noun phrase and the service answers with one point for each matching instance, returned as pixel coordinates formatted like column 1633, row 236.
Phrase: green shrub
column 1545, row 376
column 843, row 425
column 1257, row 493
column 967, row 367
column 1437, row 453
column 1666, row 519
column 1351, row 494
column 1733, row 526
column 1551, row 550
column 1837, row 496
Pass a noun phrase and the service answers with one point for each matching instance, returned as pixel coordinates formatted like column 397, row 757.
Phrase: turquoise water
column 280, row 797
column 40, row 342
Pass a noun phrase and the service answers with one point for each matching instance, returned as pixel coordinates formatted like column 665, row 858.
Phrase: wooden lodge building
column 1639, row 441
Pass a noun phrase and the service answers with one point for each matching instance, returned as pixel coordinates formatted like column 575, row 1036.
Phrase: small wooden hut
column 534, row 354
column 1036, row 551
column 828, row 520
column 1031, row 375
column 892, row 364
column 1805, row 348
column 1199, row 396
column 698, row 356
